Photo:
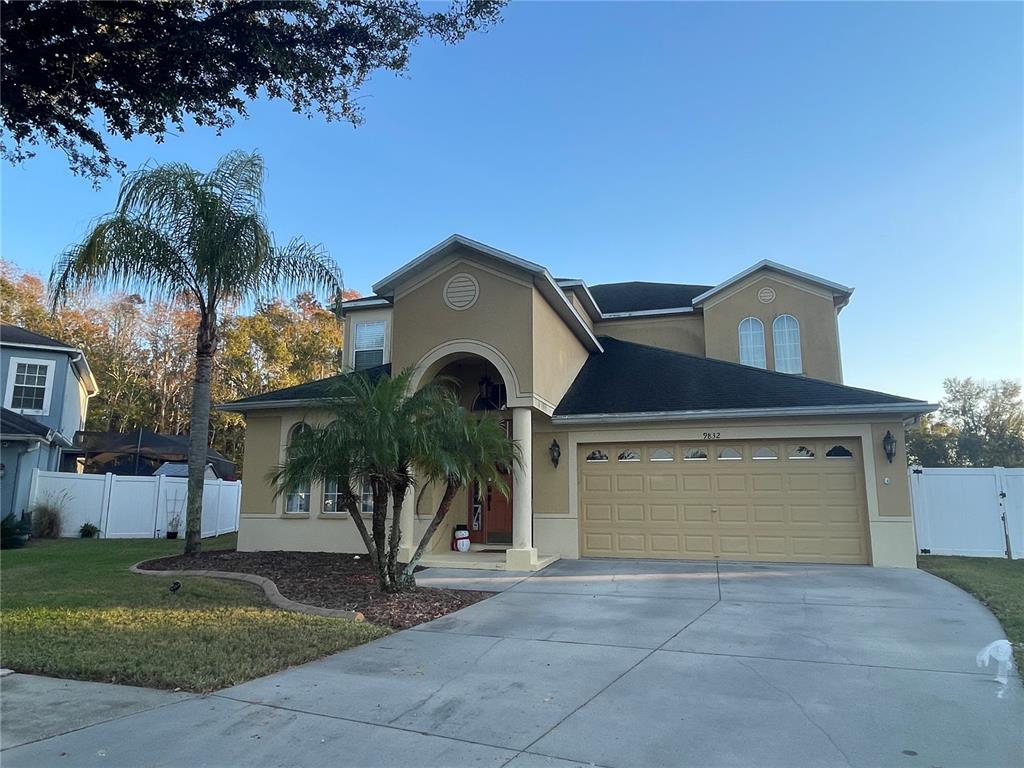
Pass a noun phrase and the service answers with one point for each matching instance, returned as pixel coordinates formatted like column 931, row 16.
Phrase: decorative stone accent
column 461, row 291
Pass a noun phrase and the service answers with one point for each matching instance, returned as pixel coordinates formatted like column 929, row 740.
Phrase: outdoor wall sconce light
column 556, row 452
column 889, row 445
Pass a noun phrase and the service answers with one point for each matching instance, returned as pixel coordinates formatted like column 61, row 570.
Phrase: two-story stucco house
column 656, row 420
column 46, row 389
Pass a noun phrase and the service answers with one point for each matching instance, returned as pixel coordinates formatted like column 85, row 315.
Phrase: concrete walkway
column 607, row 663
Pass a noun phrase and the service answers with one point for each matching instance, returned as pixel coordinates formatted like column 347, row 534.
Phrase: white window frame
column 366, row 499
column 51, row 367
column 786, row 345
column 751, row 341
column 356, row 347
column 298, row 494
column 334, row 496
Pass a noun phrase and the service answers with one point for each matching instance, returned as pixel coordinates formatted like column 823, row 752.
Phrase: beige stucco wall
column 501, row 318
column 555, row 502
column 813, row 308
column 557, row 354
column 262, row 453
column 681, row 333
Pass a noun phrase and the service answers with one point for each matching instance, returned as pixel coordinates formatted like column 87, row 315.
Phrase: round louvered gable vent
column 766, row 295
column 461, row 291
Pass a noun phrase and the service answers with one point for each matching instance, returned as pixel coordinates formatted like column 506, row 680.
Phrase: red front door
column 490, row 515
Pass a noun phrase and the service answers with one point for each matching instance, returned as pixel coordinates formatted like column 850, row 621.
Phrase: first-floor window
column 366, row 499
column 333, row 498
column 297, row 499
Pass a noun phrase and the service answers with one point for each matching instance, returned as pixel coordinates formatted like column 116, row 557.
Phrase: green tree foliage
column 146, row 67
column 979, row 424
column 178, row 233
column 381, row 435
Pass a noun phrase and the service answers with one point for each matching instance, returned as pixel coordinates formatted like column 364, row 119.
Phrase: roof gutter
column 28, row 438
column 267, row 406
column 648, row 313
column 746, row 413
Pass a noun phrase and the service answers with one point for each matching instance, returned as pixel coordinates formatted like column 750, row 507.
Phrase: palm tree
column 177, row 231
column 383, row 436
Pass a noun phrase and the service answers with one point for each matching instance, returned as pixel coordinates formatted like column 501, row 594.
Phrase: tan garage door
column 784, row 500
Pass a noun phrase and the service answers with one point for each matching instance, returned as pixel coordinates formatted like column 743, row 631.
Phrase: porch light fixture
column 889, row 445
column 555, row 450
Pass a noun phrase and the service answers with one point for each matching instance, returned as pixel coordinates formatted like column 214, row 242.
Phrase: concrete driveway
column 620, row 664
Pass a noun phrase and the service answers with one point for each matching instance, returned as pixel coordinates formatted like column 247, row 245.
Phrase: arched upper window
column 752, row 342
column 786, row 340
column 297, row 499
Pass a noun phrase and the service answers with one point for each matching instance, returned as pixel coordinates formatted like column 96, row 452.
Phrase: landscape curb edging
column 269, row 589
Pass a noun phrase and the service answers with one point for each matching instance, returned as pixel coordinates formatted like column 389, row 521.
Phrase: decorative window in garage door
column 597, row 455
column 764, row 452
column 695, row 454
column 729, row 454
column 629, row 454
column 801, row 452
column 662, row 454
column 838, row 452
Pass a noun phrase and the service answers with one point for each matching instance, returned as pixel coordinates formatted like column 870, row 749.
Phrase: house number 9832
column 711, row 435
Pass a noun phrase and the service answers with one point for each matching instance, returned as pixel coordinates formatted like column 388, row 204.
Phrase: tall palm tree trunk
column 442, row 510
column 199, row 429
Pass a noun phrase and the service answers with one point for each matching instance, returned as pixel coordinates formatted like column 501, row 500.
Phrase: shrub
column 46, row 520
column 88, row 531
column 13, row 533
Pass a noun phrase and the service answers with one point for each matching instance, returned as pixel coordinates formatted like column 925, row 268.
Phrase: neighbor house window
column 752, row 343
column 297, row 499
column 368, row 344
column 29, row 385
column 838, row 452
column 786, row 340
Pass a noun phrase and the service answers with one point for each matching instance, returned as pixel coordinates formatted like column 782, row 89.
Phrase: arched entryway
column 487, row 383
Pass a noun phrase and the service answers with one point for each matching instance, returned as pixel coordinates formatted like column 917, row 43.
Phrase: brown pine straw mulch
column 330, row 580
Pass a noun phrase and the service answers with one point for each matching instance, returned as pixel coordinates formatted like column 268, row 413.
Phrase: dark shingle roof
column 633, row 378
column 12, row 423
column 635, row 297
column 313, row 390
column 13, row 334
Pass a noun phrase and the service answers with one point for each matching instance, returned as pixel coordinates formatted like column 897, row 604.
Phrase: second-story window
column 368, row 344
column 29, row 385
column 786, row 340
column 752, row 342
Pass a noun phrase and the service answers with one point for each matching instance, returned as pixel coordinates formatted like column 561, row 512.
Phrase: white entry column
column 522, row 556
column 407, row 543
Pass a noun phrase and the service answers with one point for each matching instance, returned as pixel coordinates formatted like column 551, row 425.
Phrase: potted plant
column 88, row 531
column 173, row 525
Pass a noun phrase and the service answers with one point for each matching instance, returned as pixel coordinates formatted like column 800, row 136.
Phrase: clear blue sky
column 878, row 145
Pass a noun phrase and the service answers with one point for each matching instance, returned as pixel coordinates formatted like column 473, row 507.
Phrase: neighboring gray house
column 46, row 389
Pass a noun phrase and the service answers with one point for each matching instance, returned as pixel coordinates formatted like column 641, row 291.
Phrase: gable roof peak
column 840, row 293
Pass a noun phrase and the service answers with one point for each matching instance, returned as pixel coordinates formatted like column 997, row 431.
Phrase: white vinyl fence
column 134, row 507
column 966, row 511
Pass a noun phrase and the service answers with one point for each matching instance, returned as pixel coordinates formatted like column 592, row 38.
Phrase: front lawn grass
column 71, row 608
column 996, row 582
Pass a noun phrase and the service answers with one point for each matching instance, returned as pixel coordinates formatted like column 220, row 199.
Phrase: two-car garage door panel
column 794, row 504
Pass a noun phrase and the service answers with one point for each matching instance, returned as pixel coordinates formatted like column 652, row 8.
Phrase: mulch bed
column 330, row 580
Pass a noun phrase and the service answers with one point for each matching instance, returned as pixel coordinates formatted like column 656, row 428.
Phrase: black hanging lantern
column 889, row 445
column 555, row 450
